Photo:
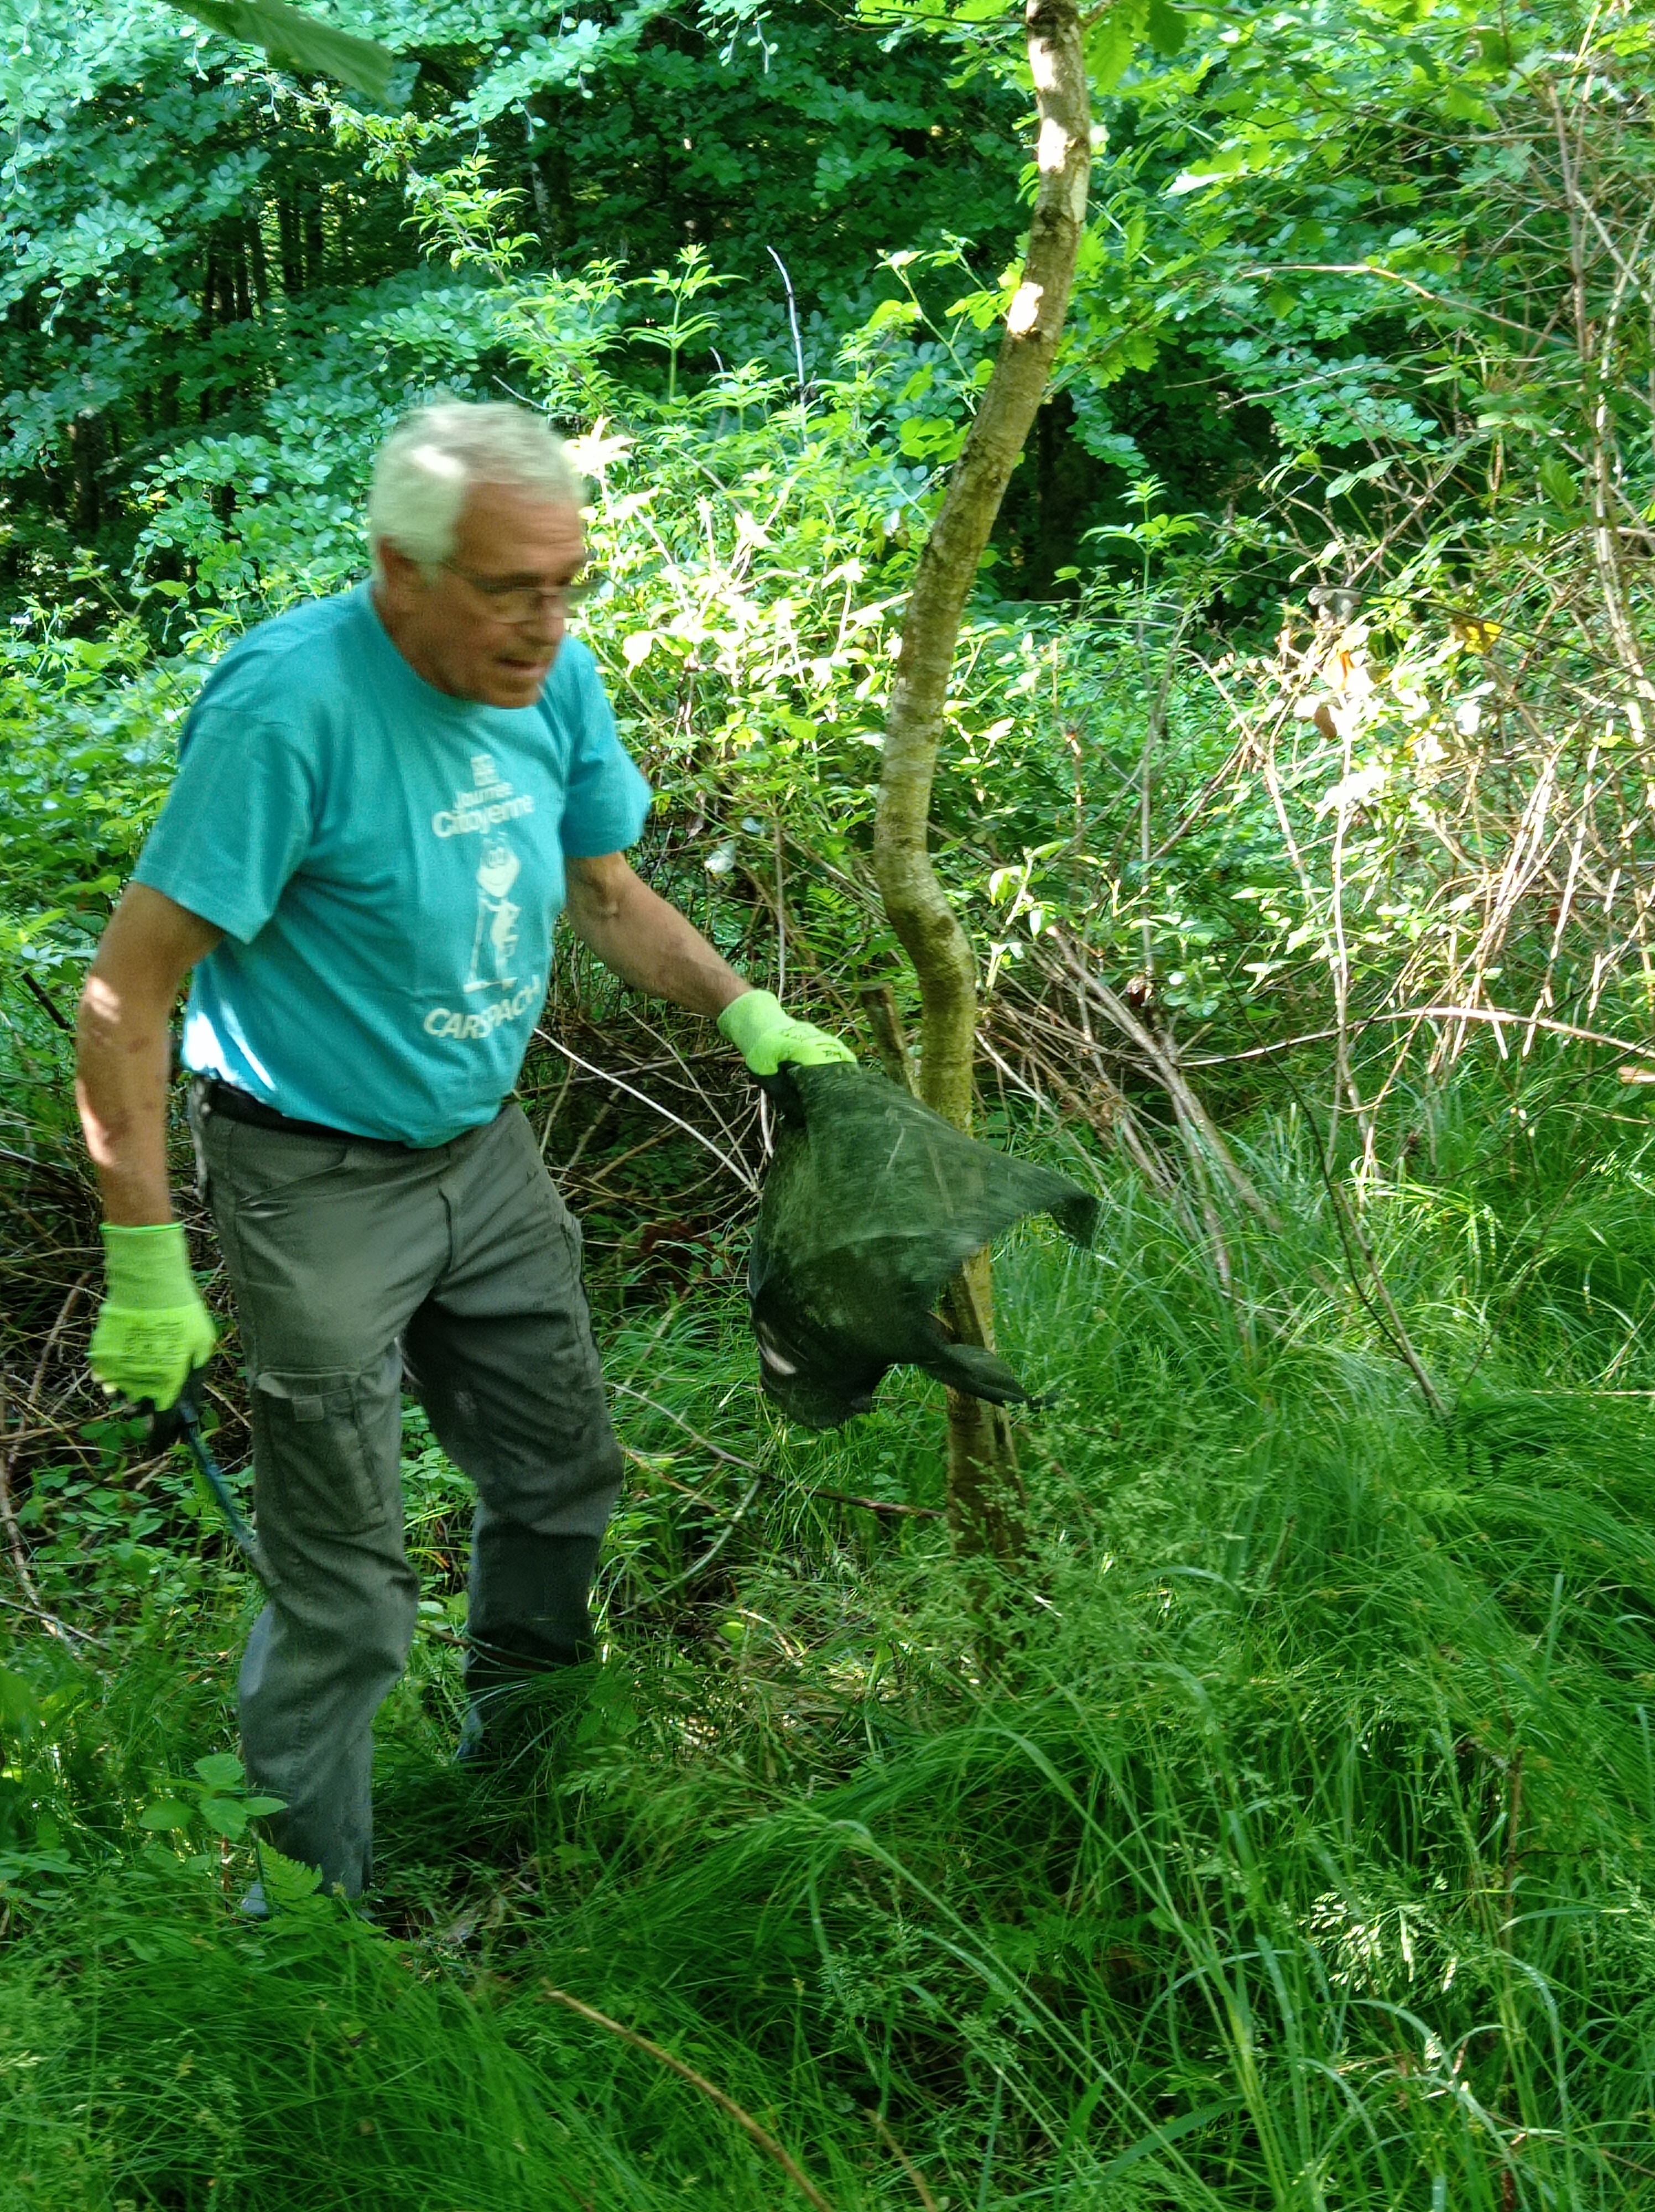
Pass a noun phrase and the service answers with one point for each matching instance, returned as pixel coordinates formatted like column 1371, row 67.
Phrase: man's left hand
column 766, row 1037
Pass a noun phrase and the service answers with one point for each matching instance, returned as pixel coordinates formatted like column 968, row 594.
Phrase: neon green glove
column 154, row 1329
column 766, row 1037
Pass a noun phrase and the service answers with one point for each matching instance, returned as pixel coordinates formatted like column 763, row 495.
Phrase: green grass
column 1286, row 1840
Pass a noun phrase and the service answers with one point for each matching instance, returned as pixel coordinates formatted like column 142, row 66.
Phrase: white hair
column 434, row 457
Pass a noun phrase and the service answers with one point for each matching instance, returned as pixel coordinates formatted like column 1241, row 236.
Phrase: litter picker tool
column 181, row 1423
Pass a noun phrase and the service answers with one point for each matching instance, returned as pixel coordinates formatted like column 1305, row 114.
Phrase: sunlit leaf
column 19, row 1707
column 167, row 1813
column 299, row 41
column 1113, row 40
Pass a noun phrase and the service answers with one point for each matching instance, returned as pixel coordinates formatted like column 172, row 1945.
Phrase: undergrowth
column 1284, row 1839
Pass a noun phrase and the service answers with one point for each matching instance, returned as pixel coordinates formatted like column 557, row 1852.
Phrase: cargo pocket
column 315, row 1467
column 573, row 1370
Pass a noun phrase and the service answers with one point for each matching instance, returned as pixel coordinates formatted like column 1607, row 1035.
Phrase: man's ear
column 404, row 578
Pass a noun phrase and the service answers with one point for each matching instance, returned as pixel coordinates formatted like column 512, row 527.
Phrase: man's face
column 466, row 628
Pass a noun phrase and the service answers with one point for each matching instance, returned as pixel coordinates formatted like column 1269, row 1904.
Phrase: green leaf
column 256, row 1808
column 1460, row 102
column 19, row 1707
column 286, row 1882
column 299, row 41
column 1113, row 40
column 1166, row 27
column 225, row 1816
column 167, row 1813
column 221, row 1769
column 889, row 312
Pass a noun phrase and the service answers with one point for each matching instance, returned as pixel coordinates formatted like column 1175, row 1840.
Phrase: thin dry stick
column 63, row 1628
column 611, row 1167
column 780, row 918
column 697, row 1089
column 648, row 1466
column 1202, row 1133
column 15, row 1543
column 742, row 2118
column 1344, row 1081
column 557, row 1107
column 730, row 1459
column 1566, row 902
column 839, row 1497
column 741, row 1174
column 905, row 2161
column 1347, row 1220
column 51, row 1345
column 1494, row 1014
column 1530, row 850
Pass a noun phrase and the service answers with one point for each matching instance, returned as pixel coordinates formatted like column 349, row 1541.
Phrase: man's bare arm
column 644, row 940
column 125, row 1050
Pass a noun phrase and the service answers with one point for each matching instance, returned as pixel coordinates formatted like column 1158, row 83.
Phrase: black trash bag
column 870, row 1205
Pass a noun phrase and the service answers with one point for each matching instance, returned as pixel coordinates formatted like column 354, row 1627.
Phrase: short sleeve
column 237, row 823
column 606, row 801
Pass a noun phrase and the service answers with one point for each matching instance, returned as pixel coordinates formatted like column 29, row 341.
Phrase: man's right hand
column 153, row 1330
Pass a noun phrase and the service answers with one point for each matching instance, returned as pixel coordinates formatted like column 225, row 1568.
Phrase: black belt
column 236, row 1105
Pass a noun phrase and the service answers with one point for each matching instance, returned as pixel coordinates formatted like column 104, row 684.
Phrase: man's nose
column 545, row 625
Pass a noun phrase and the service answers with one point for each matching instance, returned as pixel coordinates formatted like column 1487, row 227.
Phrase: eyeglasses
column 514, row 602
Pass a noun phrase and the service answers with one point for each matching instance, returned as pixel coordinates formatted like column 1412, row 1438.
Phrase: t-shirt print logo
column 494, row 941
column 490, row 803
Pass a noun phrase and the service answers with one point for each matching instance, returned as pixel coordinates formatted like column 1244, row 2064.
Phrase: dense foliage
column 1281, row 1837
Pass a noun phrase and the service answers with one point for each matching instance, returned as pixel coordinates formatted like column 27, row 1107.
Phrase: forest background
column 1276, row 1829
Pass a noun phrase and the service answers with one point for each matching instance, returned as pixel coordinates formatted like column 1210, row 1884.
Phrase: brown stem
column 913, row 899
column 919, row 911
column 742, row 2118
column 879, row 1003
column 920, row 2182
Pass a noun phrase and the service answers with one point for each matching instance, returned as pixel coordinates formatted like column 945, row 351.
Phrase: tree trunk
column 983, row 1485
column 89, row 445
column 257, row 259
column 293, row 264
column 243, row 288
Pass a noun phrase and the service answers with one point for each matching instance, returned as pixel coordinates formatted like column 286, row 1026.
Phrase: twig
column 32, row 1402
column 1200, row 1133
column 781, row 885
column 879, row 1004
column 611, row 1167
column 1390, row 276
column 14, row 1533
column 1495, row 1014
column 58, row 1628
column 764, row 1474
column 878, row 1505
column 1345, row 1221
column 45, row 1168
column 742, row 2118
column 667, row 1414
column 741, row 1174
column 643, row 1461
column 43, row 998
column 793, row 322
column 904, row 2160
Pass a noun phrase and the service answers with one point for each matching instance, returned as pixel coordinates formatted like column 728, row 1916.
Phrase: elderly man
column 383, row 802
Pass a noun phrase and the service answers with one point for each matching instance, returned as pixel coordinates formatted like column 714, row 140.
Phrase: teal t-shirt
column 386, row 864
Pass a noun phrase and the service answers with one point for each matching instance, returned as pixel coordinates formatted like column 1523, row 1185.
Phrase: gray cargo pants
column 360, row 1269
